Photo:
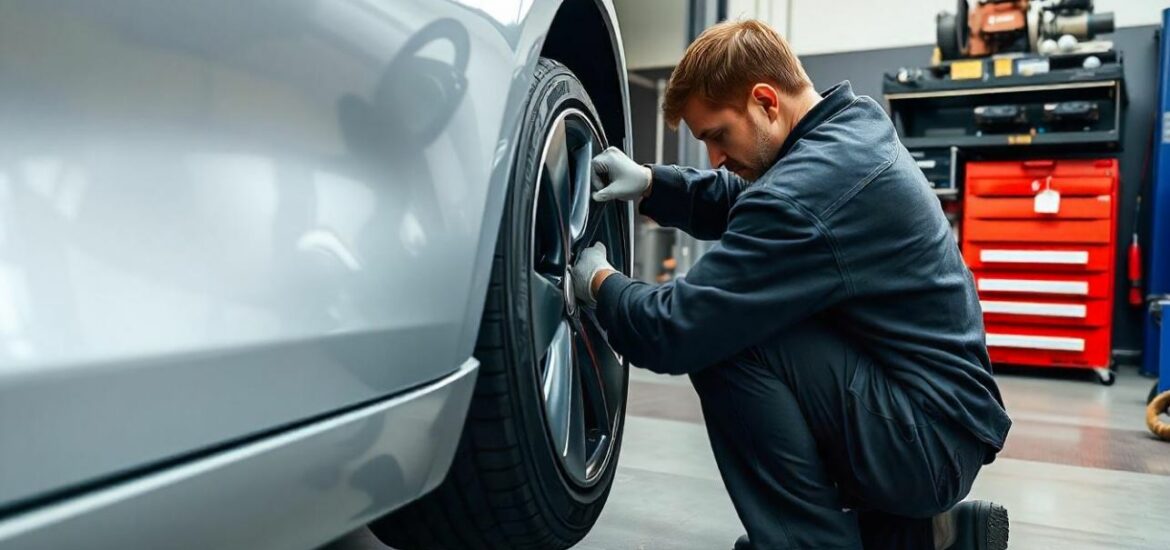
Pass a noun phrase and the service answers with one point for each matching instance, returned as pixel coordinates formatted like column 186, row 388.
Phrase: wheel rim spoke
column 557, row 385
column 610, row 371
column 548, row 242
column 548, row 309
column 599, row 405
column 579, row 212
column 590, row 234
column 559, row 178
column 574, row 452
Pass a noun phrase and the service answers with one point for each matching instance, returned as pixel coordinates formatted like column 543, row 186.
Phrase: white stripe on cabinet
column 1076, row 311
column 1061, row 257
column 1058, row 343
column 1076, row 288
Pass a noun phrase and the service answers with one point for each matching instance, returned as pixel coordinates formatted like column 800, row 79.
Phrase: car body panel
column 220, row 219
column 297, row 489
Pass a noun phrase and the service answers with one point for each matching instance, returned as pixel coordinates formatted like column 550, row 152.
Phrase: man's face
column 745, row 141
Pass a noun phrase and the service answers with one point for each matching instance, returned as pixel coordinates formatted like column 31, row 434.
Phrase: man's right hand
column 618, row 177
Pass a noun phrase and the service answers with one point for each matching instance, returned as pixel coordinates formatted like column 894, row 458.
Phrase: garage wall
column 654, row 30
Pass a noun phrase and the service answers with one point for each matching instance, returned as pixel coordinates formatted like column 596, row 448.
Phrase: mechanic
column 833, row 334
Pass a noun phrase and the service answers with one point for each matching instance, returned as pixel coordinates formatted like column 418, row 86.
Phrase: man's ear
column 767, row 97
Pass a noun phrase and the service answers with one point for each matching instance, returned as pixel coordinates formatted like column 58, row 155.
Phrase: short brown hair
column 726, row 60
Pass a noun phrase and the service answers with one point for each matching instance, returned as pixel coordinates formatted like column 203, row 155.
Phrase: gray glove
column 589, row 262
column 618, row 177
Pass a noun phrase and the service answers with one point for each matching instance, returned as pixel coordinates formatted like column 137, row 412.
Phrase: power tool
column 991, row 27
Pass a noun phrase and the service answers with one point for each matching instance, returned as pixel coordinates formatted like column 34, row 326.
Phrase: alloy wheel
column 580, row 377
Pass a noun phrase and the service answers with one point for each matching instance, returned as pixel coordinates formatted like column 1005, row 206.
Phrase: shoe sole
column 997, row 528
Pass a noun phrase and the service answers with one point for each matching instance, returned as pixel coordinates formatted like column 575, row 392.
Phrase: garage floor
column 1079, row 471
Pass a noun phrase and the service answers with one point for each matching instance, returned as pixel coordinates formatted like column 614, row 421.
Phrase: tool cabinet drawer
column 1038, row 311
column 1038, row 256
column 1041, row 168
column 1024, row 284
column 1068, row 187
column 1048, row 346
column 979, row 208
column 1041, row 231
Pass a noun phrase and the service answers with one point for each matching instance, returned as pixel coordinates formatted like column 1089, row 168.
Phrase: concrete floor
column 1079, row 471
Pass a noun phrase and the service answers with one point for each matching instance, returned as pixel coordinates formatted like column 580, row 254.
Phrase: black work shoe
column 972, row 525
column 742, row 543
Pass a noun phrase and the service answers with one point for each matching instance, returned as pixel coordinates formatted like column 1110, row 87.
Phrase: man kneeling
column 833, row 335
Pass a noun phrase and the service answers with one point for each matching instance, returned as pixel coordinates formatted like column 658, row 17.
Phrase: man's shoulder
column 857, row 137
column 836, row 159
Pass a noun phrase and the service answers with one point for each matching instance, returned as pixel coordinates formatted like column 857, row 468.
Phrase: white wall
column 772, row 11
column 655, row 35
column 654, row 32
column 822, row 26
column 1133, row 13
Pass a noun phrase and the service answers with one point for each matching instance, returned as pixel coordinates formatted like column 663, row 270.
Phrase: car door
column 219, row 219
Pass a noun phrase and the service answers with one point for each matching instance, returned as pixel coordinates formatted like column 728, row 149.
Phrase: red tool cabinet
column 1045, row 280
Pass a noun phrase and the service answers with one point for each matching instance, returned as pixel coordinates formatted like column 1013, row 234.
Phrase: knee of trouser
column 743, row 372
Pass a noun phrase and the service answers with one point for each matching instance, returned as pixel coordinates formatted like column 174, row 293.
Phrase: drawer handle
column 1075, row 311
column 1023, row 341
column 1077, row 257
column 1076, row 288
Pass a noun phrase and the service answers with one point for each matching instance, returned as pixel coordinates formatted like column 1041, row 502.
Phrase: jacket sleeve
column 773, row 267
column 695, row 201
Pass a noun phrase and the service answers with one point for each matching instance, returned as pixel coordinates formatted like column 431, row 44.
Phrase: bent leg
column 769, row 460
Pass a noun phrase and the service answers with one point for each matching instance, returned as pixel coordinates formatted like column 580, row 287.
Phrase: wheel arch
column 584, row 36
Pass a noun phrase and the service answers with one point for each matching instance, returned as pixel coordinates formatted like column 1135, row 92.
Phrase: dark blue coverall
column 833, row 335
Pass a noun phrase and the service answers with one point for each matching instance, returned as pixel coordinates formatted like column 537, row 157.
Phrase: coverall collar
column 833, row 101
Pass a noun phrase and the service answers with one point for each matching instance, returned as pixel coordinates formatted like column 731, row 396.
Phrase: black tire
column 506, row 489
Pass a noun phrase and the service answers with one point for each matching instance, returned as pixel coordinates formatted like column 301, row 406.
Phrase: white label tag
column 1047, row 202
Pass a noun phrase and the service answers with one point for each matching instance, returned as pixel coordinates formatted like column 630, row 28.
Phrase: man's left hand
column 590, row 262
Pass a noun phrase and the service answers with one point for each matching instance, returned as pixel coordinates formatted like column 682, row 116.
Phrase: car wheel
column 539, row 449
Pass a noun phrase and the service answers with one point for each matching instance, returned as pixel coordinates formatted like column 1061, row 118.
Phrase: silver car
column 274, row 270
